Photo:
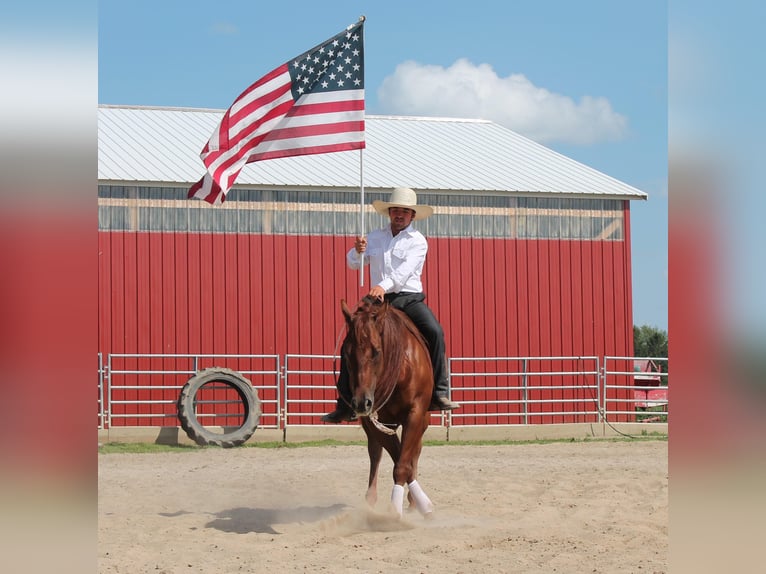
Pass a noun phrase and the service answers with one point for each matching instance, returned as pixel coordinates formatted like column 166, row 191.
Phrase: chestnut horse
column 391, row 382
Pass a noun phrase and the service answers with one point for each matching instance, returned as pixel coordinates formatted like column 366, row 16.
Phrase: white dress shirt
column 395, row 262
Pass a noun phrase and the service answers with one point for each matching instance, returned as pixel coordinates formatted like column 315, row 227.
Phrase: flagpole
column 361, row 195
column 361, row 213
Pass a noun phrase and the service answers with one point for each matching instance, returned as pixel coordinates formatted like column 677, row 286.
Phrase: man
column 396, row 254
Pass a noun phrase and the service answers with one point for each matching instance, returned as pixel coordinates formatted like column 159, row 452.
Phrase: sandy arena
column 593, row 506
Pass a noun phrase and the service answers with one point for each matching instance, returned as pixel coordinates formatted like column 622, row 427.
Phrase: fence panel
column 524, row 390
column 636, row 389
column 146, row 394
column 309, row 387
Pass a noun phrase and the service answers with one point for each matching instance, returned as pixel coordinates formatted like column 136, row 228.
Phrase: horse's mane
column 391, row 325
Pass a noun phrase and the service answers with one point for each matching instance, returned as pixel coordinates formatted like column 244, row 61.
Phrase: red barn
column 529, row 258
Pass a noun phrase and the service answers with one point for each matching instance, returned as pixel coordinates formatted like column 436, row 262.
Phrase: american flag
column 312, row 104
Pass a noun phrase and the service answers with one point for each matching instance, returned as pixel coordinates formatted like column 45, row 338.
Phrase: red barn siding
column 278, row 294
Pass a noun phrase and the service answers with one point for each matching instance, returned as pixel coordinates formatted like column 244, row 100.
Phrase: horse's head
column 363, row 350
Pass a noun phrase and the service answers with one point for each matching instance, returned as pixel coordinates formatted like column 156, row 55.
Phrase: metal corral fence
column 646, row 381
column 143, row 389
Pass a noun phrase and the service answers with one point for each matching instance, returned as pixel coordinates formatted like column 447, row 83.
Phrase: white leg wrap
column 424, row 504
column 397, row 499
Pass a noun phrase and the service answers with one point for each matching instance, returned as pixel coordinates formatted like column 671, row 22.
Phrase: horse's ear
column 346, row 310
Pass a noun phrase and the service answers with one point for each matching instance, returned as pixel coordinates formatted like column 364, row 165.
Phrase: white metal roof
column 149, row 145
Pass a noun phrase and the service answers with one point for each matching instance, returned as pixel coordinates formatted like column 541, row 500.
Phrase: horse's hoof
column 394, row 512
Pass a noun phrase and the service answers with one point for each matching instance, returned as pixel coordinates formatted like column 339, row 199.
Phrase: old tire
column 250, row 404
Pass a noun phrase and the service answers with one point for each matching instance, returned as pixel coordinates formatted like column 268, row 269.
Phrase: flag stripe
column 329, row 117
column 327, row 108
column 309, row 150
column 206, row 189
column 301, row 132
column 325, row 97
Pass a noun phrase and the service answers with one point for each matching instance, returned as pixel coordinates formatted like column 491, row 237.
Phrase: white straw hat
column 403, row 197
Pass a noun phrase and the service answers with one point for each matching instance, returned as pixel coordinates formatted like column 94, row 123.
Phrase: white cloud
column 466, row 90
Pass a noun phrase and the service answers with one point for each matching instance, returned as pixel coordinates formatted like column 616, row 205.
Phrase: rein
column 374, row 416
column 379, row 425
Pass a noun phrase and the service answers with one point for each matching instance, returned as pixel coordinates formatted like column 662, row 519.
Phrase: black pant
column 421, row 315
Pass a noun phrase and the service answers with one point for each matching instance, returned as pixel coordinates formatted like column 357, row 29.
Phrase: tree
column 649, row 342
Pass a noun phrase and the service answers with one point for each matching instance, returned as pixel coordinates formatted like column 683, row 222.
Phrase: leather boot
column 342, row 413
column 440, row 400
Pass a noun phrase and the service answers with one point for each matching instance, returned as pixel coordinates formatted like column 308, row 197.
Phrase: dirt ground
column 593, row 506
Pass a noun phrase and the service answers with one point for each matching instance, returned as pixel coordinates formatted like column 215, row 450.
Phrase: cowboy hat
column 403, row 197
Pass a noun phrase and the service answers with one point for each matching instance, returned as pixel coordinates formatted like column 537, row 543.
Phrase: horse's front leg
column 375, row 451
column 405, row 469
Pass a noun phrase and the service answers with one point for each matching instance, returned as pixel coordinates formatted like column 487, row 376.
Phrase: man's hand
column 360, row 244
column 377, row 292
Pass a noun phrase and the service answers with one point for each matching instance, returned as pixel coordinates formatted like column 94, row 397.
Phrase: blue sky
column 588, row 80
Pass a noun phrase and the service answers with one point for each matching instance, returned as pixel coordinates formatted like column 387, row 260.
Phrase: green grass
column 117, row 447
column 143, row 447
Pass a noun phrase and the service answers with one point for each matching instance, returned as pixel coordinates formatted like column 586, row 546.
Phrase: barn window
column 296, row 212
